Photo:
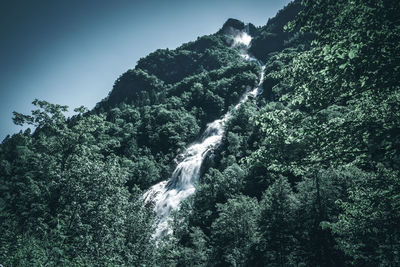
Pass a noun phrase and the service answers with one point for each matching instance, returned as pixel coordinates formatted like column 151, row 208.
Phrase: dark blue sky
column 70, row 52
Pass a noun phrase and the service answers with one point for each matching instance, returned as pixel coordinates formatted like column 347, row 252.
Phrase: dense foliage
column 307, row 175
column 314, row 168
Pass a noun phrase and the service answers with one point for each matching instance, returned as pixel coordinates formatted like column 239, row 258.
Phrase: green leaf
column 352, row 54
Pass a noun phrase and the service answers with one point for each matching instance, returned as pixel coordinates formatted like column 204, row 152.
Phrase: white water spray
column 166, row 196
column 242, row 38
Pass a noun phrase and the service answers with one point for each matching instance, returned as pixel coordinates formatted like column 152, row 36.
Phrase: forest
column 307, row 173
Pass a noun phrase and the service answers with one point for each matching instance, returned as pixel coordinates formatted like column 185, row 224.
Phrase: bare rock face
column 209, row 161
column 233, row 24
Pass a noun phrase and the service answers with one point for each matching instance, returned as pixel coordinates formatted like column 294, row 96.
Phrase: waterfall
column 166, row 196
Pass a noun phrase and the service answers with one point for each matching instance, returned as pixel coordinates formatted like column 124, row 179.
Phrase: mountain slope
column 307, row 176
column 320, row 153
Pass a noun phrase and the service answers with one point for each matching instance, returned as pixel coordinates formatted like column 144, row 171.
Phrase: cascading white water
column 166, row 196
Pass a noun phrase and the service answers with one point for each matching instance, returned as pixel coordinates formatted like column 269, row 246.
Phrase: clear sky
column 70, row 52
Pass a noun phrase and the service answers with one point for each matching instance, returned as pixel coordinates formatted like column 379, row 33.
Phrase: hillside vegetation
column 306, row 175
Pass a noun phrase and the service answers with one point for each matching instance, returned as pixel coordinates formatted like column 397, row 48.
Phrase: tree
column 278, row 246
column 368, row 228
column 235, row 231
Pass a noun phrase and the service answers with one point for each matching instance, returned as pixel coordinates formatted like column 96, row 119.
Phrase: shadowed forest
column 306, row 174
